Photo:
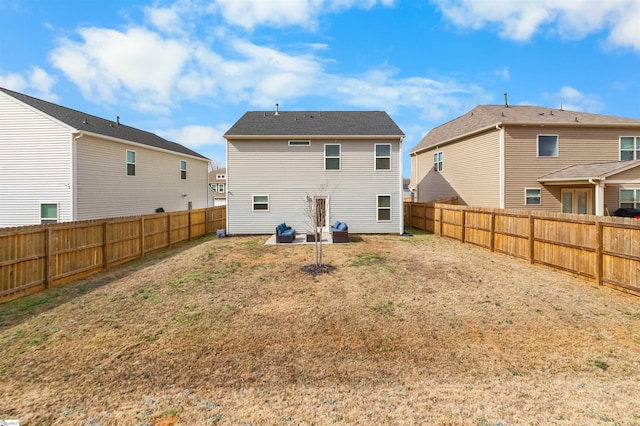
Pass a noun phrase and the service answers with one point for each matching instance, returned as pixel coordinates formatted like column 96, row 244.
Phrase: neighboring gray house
column 58, row 164
column 277, row 163
column 218, row 187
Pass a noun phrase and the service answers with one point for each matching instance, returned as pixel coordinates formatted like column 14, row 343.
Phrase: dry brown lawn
column 407, row 330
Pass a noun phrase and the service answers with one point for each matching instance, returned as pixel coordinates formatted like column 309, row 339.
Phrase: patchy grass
column 409, row 330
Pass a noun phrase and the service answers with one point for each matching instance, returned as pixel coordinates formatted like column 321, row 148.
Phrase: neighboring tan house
column 280, row 164
column 218, row 187
column 530, row 157
column 58, row 164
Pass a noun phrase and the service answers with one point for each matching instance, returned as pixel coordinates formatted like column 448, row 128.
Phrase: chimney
column 506, row 101
column 277, row 112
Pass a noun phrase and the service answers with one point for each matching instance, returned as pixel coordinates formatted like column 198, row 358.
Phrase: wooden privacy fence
column 605, row 250
column 33, row 258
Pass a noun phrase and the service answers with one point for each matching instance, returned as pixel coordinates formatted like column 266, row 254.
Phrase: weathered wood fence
column 33, row 258
column 605, row 250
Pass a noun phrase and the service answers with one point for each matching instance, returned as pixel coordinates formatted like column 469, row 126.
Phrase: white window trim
column 386, row 208
column 126, row 159
column 183, row 170
column 636, row 140
column 253, row 202
column 440, row 163
column 298, row 142
column 57, row 212
column 526, row 198
column 339, row 157
column 636, row 196
column 376, row 156
column 221, row 185
column 538, row 146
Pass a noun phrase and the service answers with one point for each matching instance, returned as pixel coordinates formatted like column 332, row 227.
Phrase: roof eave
column 454, row 139
column 82, row 133
column 270, row 137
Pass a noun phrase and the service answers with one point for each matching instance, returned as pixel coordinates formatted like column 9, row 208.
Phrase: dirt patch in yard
column 406, row 330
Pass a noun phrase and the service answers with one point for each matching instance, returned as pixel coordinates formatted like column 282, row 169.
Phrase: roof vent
column 118, row 119
column 550, row 112
column 506, row 100
column 277, row 112
column 561, row 106
column 575, row 119
column 502, row 114
column 85, row 121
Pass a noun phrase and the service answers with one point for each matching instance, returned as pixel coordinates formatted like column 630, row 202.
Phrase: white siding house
column 277, row 162
column 59, row 164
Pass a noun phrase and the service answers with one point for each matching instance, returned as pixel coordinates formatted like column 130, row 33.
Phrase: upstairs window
column 48, row 213
column 629, row 148
column 221, row 188
column 548, row 145
column 437, row 161
column 332, row 157
column 183, row 169
column 383, row 156
column 131, row 163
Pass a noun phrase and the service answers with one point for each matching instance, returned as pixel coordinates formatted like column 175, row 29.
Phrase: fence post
column 169, row 228
column 189, row 219
column 105, row 248
column 464, row 216
column 492, row 231
column 531, row 238
column 47, row 257
column 440, row 225
column 141, row 236
column 599, row 248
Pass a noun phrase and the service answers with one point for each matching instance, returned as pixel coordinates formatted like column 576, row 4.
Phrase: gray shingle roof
column 315, row 123
column 485, row 116
column 597, row 171
column 90, row 123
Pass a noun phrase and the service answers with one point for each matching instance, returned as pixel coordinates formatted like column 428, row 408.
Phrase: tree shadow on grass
column 16, row 311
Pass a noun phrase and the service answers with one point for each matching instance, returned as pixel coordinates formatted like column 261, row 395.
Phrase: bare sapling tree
column 315, row 213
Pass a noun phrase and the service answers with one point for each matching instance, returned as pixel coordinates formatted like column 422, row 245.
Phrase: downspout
column 401, row 187
column 74, row 175
column 501, row 171
column 599, row 190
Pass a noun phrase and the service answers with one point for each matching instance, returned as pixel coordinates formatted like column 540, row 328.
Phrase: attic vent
column 576, row 119
column 502, row 114
column 85, row 121
column 550, row 112
column 277, row 112
column 541, row 113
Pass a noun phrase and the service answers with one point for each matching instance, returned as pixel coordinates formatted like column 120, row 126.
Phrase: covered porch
column 597, row 188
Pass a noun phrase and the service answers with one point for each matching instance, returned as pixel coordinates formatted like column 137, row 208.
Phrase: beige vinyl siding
column 288, row 173
column 35, row 165
column 471, row 171
column 629, row 179
column 105, row 190
column 576, row 146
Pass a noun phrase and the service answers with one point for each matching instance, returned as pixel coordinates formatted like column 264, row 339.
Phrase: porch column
column 599, row 198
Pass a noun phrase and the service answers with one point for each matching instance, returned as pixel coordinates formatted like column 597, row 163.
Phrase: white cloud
column 281, row 13
column 574, row 100
column 197, row 136
column 36, row 82
column 107, row 62
column 521, row 20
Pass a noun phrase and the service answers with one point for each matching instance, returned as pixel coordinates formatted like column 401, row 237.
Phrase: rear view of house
column 530, row 157
column 347, row 163
column 58, row 164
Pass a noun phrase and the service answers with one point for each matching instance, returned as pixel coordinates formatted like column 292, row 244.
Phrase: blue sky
column 188, row 69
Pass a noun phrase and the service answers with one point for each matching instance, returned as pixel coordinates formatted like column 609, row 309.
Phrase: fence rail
column 33, row 258
column 605, row 250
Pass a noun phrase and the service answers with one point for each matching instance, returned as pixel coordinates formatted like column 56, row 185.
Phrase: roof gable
column 314, row 123
column 90, row 123
column 484, row 117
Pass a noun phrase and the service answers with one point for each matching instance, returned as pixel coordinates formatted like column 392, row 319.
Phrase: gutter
column 81, row 134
